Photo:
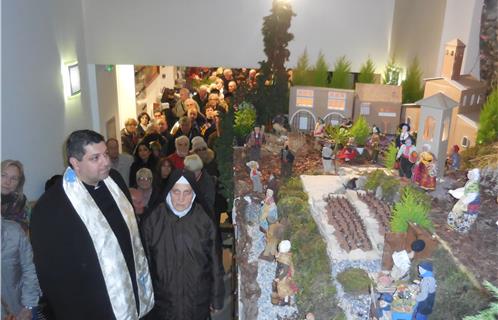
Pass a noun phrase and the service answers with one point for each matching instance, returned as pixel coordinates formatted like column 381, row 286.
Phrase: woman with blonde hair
column 15, row 206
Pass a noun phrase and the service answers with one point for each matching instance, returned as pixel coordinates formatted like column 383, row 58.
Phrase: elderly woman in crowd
column 129, row 136
column 144, row 158
column 150, row 193
column 14, row 203
column 182, row 145
column 163, row 171
column 184, row 252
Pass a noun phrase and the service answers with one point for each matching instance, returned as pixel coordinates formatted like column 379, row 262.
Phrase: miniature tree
column 301, row 74
column 320, row 72
column 360, row 131
column 224, row 155
column 492, row 311
column 271, row 96
column 411, row 208
column 392, row 72
column 367, row 72
column 390, row 156
column 413, row 90
column 488, row 122
column 245, row 117
column 342, row 71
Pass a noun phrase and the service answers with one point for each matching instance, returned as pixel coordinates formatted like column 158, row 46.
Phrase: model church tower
column 453, row 58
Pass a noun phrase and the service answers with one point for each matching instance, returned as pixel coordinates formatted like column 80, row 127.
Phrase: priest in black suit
column 87, row 249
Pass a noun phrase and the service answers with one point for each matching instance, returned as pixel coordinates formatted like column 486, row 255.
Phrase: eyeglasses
column 144, row 178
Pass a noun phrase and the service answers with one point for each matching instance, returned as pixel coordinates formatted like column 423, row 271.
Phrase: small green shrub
column 360, row 131
column 320, row 72
column 421, row 197
column 392, row 72
column 245, row 117
column 287, row 205
column 390, row 156
column 354, row 281
column 413, row 90
column 389, row 185
column 301, row 75
column 367, row 72
column 374, row 179
column 488, row 120
column 341, row 76
column 409, row 209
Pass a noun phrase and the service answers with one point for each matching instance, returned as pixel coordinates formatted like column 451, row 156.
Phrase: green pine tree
column 413, row 90
column 488, row 122
column 301, row 74
column 367, row 72
column 341, row 75
column 320, row 72
column 272, row 95
column 392, row 72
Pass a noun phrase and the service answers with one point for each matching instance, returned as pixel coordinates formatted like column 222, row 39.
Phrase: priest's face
column 95, row 164
column 181, row 196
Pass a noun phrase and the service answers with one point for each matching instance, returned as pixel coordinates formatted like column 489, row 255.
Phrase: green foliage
column 389, row 184
column 337, row 134
column 301, row 75
column 367, row 72
column 224, row 155
column 341, row 76
column 456, row 296
column 360, row 131
column 392, row 72
column 271, row 96
column 411, row 208
column 390, row 156
column 320, row 71
column 488, row 121
column 316, row 290
column 422, row 197
column 492, row 311
column 245, row 117
column 355, row 281
column 413, row 89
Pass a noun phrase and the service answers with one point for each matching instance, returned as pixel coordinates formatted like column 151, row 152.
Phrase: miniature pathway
column 266, row 270
column 319, row 188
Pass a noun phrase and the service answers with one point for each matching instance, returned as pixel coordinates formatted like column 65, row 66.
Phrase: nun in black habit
column 181, row 241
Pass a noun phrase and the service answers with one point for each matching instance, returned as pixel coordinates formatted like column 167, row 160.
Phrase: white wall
column 37, row 36
column 463, row 21
column 107, row 98
column 228, row 33
column 416, row 32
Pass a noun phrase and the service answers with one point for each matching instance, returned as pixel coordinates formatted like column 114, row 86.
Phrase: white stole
column 111, row 259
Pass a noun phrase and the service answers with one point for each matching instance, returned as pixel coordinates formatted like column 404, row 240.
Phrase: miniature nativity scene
column 357, row 205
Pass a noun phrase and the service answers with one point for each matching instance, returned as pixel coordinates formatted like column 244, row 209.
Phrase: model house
column 308, row 104
column 469, row 92
column 380, row 104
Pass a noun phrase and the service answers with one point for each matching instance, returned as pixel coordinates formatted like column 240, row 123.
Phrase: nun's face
column 181, row 196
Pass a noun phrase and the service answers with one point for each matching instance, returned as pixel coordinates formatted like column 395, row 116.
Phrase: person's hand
column 24, row 314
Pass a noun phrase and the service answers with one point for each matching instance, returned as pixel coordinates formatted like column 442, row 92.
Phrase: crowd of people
column 130, row 234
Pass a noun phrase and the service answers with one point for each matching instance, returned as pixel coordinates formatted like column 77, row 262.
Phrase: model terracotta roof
column 378, row 92
column 462, row 83
column 438, row 101
column 472, row 118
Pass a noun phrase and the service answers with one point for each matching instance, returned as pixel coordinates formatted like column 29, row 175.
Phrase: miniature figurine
column 407, row 157
column 254, row 142
column 327, row 158
column 255, row 175
column 426, row 297
column 424, row 171
column 404, row 134
column 273, row 185
column 274, row 235
column 269, row 212
column 466, row 210
column 319, row 131
column 454, row 159
column 374, row 144
column 348, row 153
column 286, row 160
column 384, row 310
column 284, row 282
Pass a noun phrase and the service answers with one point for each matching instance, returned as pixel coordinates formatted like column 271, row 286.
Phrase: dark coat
column 185, row 261
column 128, row 141
column 65, row 258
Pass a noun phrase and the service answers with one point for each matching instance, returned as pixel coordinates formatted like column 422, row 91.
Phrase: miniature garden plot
column 380, row 209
